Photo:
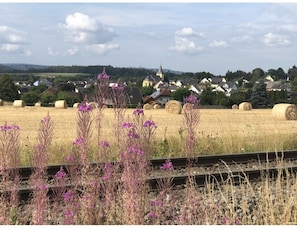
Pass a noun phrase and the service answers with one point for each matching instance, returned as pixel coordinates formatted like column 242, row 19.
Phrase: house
column 153, row 80
column 161, row 96
column 43, row 82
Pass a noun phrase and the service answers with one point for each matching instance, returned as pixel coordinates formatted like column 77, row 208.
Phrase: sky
column 180, row 36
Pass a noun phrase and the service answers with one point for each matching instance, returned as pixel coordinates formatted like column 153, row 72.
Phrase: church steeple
column 160, row 73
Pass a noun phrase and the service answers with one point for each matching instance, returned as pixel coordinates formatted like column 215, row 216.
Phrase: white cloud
column 11, row 48
column 217, row 44
column 51, row 52
column 187, row 31
column 102, row 48
column 79, row 21
column 72, row 51
column 242, row 39
column 271, row 39
column 185, row 45
column 81, row 28
column 10, row 35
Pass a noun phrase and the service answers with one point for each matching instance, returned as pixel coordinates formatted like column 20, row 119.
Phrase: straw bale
column 187, row 106
column 147, row 106
column 157, row 106
column 245, row 106
column 284, row 111
column 173, row 107
column 234, row 107
column 19, row 103
column 75, row 105
column 60, row 104
column 93, row 105
column 1, row 102
column 38, row 104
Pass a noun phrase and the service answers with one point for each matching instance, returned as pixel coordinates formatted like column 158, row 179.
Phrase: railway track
column 200, row 179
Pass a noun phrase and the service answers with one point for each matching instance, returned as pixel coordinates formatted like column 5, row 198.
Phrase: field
column 219, row 130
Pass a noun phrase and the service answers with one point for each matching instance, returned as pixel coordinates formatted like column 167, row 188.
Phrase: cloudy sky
column 191, row 37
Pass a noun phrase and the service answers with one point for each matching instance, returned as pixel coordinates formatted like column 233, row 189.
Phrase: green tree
column 30, row 97
column 145, row 91
column 259, row 97
column 181, row 93
column 8, row 89
column 47, row 98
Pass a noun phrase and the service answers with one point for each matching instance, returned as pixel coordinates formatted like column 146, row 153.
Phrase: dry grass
column 219, row 130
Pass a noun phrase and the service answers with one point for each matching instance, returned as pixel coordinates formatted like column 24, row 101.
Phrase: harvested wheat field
column 230, row 130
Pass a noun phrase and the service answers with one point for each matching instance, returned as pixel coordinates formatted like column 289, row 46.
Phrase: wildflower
column 69, row 158
column 7, row 127
column 149, row 123
column 135, row 150
column 132, row 134
column 84, row 107
column 128, row 125
column 78, row 141
column 104, row 144
column 138, row 112
column 192, row 99
column 103, row 76
column 167, row 166
column 68, row 196
column 153, row 215
column 46, row 119
column 68, row 214
column 156, row 203
column 60, row 174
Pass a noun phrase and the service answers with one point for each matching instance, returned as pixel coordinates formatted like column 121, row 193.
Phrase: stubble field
column 219, row 130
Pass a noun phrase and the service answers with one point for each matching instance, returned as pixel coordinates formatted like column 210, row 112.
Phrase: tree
column 30, row 97
column 259, row 97
column 8, row 89
column 181, row 93
column 145, row 91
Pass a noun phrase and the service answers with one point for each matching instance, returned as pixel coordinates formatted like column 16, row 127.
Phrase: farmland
column 219, row 130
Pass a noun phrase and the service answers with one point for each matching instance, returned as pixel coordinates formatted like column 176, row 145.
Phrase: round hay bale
column 75, row 105
column 147, row 106
column 157, row 106
column 245, row 106
column 284, row 111
column 173, row 107
column 60, row 104
column 37, row 104
column 19, row 103
column 234, row 107
column 93, row 105
column 187, row 106
column 1, row 102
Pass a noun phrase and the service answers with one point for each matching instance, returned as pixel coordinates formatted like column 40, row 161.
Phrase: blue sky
column 191, row 37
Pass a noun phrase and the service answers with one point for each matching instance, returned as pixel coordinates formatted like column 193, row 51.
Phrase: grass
column 219, row 130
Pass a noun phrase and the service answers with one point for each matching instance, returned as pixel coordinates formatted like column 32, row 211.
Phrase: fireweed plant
column 9, row 174
column 38, row 179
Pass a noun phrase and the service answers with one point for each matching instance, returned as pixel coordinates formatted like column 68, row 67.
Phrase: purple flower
column 128, row 125
column 68, row 214
column 78, row 141
column 46, row 119
column 191, row 99
column 60, row 174
column 132, row 134
column 104, row 144
column 103, row 76
column 156, row 203
column 153, row 215
column 149, row 123
column 68, row 196
column 167, row 166
column 85, row 107
column 138, row 112
column 69, row 158
column 135, row 150
column 7, row 127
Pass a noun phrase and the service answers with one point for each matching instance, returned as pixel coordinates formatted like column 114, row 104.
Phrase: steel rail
column 182, row 162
